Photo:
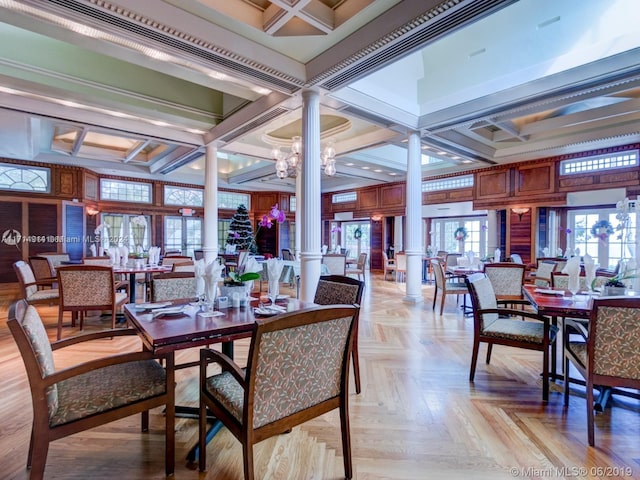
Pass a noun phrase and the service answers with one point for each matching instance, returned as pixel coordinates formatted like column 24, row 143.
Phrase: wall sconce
column 92, row 211
column 376, row 218
column 520, row 212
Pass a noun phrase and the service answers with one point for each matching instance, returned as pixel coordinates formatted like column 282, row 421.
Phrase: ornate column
column 210, row 237
column 413, row 235
column 309, row 202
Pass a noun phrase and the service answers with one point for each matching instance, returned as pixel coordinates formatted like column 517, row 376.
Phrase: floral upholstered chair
column 298, row 369
column 506, row 279
column 88, row 287
column 89, row 394
column 340, row 290
column 506, row 326
column 29, row 286
column 336, row 263
column 173, row 286
column 605, row 352
column 542, row 275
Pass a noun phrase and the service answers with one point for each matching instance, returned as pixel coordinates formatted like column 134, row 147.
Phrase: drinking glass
column 574, row 286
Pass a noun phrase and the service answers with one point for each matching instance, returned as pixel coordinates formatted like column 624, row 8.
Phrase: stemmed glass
column 274, row 288
column 574, row 286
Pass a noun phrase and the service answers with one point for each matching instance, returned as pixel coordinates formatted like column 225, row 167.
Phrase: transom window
column 232, row 200
column 183, row 196
column 447, row 183
column 293, row 204
column 601, row 162
column 25, row 179
column 123, row 191
column 344, row 197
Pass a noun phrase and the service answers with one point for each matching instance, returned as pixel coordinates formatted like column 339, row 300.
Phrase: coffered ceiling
column 138, row 88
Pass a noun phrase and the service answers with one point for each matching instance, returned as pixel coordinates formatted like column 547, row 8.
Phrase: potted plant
column 615, row 285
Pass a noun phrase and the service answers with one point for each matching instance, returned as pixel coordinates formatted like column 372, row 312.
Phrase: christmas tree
column 241, row 231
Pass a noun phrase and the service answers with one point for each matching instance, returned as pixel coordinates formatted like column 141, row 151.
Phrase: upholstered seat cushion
column 453, row 287
column 532, row 332
column 107, row 388
column 226, row 390
column 579, row 349
column 49, row 293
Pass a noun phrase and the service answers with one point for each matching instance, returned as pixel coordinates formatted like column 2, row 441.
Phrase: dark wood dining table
column 191, row 327
column 131, row 272
column 556, row 305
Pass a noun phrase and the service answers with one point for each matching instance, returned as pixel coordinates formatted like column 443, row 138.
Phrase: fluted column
column 492, row 233
column 210, row 240
column 298, row 217
column 310, row 196
column 413, row 236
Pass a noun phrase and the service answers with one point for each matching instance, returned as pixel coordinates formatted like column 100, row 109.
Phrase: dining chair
column 605, row 351
column 543, row 273
column 516, row 258
column 286, row 254
column 388, row 264
column 184, row 267
column 121, row 283
column 297, row 369
column 173, row 286
column 497, row 325
column 55, row 259
column 88, row 394
column 401, row 265
column 452, row 285
column 506, row 279
column 175, row 259
column 43, row 272
column 360, row 267
column 29, row 286
column 336, row 263
column 86, row 288
column 341, row 290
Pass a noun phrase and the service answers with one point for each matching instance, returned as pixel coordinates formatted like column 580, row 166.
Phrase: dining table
column 131, row 271
column 558, row 303
column 167, row 327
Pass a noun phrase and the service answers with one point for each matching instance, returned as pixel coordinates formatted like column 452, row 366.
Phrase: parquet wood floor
column 418, row 416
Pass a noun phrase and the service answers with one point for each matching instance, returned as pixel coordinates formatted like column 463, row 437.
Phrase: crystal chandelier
column 287, row 163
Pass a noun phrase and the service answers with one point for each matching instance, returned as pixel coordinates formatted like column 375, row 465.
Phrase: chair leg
column 435, row 294
column 144, row 417
column 489, row 350
column 30, row 454
column 474, row 359
column 346, row 440
column 545, row 374
column 170, row 433
column 39, row 457
column 590, row 414
column 247, row 454
column 355, row 359
column 443, row 295
column 202, row 437
column 60, row 315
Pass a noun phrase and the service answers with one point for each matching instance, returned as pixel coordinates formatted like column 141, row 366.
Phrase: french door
column 183, row 234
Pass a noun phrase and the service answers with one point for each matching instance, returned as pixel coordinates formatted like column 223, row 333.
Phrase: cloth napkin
column 212, row 275
column 124, row 255
column 92, row 249
column 114, row 255
column 199, row 271
column 274, row 270
column 572, row 268
column 471, row 257
column 545, row 251
column 558, row 252
column 154, row 255
column 589, row 270
column 497, row 255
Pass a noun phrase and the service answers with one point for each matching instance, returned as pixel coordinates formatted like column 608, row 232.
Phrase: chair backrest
column 173, row 286
column 198, row 254
column 561, row 280
column 385, row 259
column 482, row 298
column 42, row 268
column 438, row 273
column 287, row 255
column 26, row 278
column 175, row 259
column 298, row 362
column 86, row 286
column 104, row 261
column 543, row 273
column 31, row 337
column 55, row 258
column 516, row 258
column 442, row 254
column 401, row 262
column 184, row 267
column 451, row 260
column 362, row 261
column 338, row 289
column 336, row 263
column 614, row 336
column 506, row 278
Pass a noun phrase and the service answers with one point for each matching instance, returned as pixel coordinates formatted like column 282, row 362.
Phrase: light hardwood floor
column 418, row 416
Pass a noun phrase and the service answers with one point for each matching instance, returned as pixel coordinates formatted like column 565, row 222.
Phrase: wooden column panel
column 43, row 228
column 11, row 245
column 376, row 246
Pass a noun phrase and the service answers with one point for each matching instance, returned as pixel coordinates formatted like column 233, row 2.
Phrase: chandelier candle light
column 287, row 164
